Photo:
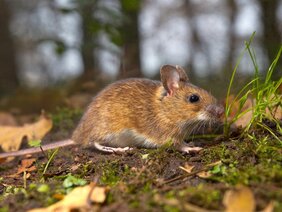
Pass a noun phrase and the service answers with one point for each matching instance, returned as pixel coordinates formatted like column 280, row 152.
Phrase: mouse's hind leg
column 109, row 149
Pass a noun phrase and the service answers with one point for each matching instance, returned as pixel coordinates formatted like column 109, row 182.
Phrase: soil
column 151, row 180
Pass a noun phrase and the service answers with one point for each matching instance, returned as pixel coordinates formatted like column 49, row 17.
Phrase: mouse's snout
column 215, row 110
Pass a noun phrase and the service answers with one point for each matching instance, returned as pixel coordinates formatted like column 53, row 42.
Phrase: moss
column 110, row 174
column 65, row 118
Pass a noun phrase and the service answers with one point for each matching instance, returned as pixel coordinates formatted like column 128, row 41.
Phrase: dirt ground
column 152, row 180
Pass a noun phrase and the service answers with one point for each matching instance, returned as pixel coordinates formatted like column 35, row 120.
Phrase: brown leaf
column 204, row 174
column 239, row 199
column 11, row 137
column 74, row 167
column 26, row 163
column 187, row 168
column 26, row 166
column 77, row 199
column 244, row 120
column 276, row 111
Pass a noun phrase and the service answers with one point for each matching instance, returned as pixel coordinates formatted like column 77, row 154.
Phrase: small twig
column 24, row 179
column 43, row 152
column 195, row 208
column 186, row 175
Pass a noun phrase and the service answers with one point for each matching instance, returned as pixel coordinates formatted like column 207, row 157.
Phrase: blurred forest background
column 81, row 45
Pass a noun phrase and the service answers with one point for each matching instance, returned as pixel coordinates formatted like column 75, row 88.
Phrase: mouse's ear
column 171, row 76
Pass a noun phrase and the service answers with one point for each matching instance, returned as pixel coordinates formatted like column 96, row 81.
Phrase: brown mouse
column 142, row 113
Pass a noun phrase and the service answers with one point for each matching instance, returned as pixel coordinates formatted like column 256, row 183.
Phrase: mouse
column 142, row 113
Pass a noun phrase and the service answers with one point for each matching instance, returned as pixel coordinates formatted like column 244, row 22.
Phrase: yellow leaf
column 239, row 199
column 77, row 199
column 11, row 137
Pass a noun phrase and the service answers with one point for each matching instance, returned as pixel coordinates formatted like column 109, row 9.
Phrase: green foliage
column 242, row 100
column 249, row 162
column 48, row 163
column 111, row 173
column 264, row 91
column 43, row 188
column 266, row 95
column 64, row 118
column 60, row 47
column 4, row 209
column 72, row 181
column 131, row 5
column 34, row 143
column 13, row 190
column 200, row 195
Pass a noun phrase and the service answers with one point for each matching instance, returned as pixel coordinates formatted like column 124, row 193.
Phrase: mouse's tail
column 39, row 149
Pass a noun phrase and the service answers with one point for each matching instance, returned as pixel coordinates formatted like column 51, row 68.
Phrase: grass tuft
column 266, row 100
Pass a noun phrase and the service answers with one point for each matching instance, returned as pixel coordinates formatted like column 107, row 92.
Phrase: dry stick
column 43, row 152
column 195, row 208
column 187, row 175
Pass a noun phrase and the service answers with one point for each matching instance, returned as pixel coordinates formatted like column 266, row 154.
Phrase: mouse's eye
column 193, row 98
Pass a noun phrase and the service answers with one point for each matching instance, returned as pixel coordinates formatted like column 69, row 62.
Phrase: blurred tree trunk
column 88, row 42
column 195, row 39
column 130, row 61
column 228, row 68
column 272, row 38
column 9, row 79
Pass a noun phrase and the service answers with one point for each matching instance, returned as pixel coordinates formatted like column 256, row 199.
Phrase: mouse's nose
column 215, row 110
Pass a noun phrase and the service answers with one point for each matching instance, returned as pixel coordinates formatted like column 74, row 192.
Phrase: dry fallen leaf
column 187, row 168
column 11, row 137
column 204, row 174
column 218, row 162
column 276, row 112
column 26, row 163
column 74, row 167
column 239, row 199
column 244, row 120
column 26, row 166
column 77, row 199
